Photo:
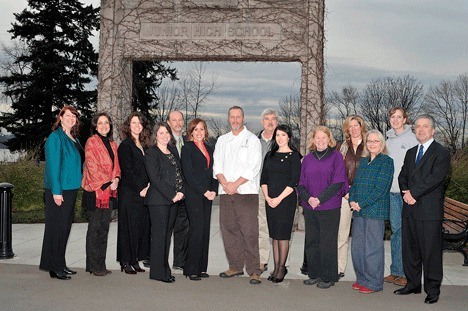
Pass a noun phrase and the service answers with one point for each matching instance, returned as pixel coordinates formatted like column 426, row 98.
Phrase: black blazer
column 426, row 181
column 132, row 166
column 162, row 176
column 198, row 177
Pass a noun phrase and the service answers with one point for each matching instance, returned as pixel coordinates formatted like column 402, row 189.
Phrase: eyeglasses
column 373, row 142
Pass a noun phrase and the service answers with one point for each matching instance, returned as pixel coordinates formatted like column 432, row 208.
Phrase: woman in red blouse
column 101, row 177
column 201, row 189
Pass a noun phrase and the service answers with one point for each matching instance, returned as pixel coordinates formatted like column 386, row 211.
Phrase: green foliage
column 28, row 193
column 55, row 68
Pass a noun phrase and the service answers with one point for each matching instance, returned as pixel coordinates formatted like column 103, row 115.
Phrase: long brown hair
column 145, row 133
column 75, row 129
column 192, row 125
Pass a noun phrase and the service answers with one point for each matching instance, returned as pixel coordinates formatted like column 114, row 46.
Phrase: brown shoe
column 230, row 273
column 400, row 281
column 255, row 279
column 390, row 278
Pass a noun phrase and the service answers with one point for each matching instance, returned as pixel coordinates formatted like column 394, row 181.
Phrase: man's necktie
column 179, row 145
column 420, row 154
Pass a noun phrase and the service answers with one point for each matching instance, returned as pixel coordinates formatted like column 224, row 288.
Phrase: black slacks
column 199, row 215
column 58, row 221
column 181, row 229
column 96, row 239
column 321, row 243
column 422, row 247
column 162, row 225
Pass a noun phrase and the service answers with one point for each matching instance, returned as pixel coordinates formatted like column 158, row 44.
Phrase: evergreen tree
column 147, row 77
column 56, row 68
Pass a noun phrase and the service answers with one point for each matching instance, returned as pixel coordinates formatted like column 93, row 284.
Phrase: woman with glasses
column 369, row 198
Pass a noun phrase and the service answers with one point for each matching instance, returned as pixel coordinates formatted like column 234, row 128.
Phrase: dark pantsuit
column 181, row 229
column 58, row 221
column 422, row 247
column 96, row 239
column 162, row 225
column 239, row 226
column 199, row 214
column 322, row 243
column 134, row 232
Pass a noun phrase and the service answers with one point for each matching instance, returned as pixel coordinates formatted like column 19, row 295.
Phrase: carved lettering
column 210, row 31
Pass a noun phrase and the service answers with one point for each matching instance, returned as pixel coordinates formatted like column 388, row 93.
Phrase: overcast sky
column 365, row 40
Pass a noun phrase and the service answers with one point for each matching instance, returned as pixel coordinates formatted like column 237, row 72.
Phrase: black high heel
column 59, row 275
column 137, row 268
column 279, row 280
column 128, row 269
column 193, row 277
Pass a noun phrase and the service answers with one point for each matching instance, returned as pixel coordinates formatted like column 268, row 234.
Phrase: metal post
column 6, row 196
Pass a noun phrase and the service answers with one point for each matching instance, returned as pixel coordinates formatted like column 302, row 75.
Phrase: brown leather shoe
column 230, row 273
column 255, row 279
column 390, row 278
column 400, row 281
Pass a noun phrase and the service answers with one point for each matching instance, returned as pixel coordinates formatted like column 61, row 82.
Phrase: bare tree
column 343, row 104
column 447, row 102
column 217, row 127
column 290, row 113
column 461, row 93
column 9, row 64
column 168, row 96
column 381, row 95
column 194, row 90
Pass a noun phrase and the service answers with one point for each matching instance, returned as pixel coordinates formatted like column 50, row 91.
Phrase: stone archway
column 216, row 30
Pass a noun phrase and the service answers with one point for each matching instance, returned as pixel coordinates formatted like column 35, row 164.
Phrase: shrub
column 28, row 193
column 458, row 185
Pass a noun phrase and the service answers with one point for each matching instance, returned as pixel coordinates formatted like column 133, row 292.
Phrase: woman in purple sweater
column 322, row 184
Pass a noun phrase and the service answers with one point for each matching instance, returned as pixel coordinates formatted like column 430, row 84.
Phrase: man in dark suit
column 175, row 120
column 422, row 181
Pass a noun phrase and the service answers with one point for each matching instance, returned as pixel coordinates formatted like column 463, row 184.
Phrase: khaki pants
column 238, row 221
column 343, row 235
column 263, row 234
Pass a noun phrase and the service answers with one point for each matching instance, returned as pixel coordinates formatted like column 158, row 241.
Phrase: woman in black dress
column 133, row 225
column 280, row 176
column 197, row 166
column 166, row 189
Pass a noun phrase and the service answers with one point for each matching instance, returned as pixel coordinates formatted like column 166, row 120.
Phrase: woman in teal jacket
column 62, row 179
column 369, row 198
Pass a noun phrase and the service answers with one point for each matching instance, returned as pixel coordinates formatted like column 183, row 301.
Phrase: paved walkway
column 212, row 293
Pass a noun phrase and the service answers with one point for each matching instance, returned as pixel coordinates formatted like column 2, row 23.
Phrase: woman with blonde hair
column 354, row 130
column 322, row 184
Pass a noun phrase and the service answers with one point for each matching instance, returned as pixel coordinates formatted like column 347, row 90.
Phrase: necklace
column 320, row 157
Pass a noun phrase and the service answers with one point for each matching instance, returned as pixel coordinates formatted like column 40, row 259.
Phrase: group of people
column 166, row 182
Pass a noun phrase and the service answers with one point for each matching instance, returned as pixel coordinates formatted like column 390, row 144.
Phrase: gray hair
column 383, row 149
column 268, row 111
column 427, row 117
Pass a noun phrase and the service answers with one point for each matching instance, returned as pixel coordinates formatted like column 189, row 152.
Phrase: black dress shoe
column 146, row 263
column 137, row 268
column 59, row 275
column 67, row 270
column 194, row 277
column 406, row 291
column 304, row 269
column 204, row 275
column 169, row 280
column 341, row 275
column 430, row 299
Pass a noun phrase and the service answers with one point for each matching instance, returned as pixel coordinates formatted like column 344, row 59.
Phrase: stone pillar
column 312, row 93
column 115, row 72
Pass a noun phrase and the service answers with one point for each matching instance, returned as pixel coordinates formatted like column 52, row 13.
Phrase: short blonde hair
column 324, row 129
column 383, row 144
column 359, row 120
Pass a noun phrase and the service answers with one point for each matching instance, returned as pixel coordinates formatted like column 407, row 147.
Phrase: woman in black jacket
column 166, row 189
column 133, row 226
column 197, row 167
